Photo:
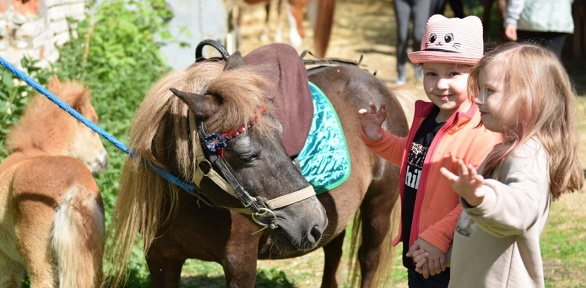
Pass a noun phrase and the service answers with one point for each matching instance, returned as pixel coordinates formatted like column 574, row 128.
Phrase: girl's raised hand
column 372, row 120
column 468, row 184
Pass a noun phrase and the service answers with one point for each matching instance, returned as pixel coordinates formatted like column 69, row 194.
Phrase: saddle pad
column 292, row 102
column 324, row 160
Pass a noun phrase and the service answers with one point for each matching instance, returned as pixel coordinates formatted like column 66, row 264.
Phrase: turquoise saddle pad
column 324, row 160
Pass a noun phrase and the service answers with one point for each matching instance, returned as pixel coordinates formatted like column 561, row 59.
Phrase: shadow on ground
column 263, row 280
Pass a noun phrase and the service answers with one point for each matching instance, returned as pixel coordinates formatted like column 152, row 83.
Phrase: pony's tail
column 323, row 26
column 78, row 239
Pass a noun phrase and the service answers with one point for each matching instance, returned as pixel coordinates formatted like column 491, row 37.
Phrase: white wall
column 194, row 21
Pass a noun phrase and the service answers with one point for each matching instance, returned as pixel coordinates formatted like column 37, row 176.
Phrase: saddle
column 312, row 133
column 311, row 129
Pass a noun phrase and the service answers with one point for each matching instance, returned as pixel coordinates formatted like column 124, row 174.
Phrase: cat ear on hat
column 450, row 40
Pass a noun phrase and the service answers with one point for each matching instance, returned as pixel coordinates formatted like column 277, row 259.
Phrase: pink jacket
column 437, row 206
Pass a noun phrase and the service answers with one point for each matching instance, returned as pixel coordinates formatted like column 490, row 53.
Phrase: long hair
column 540, row 103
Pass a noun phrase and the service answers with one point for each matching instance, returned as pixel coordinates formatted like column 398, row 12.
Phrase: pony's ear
column 202, row 105
column 234, row 61
column 54, row 84
column 81, row 100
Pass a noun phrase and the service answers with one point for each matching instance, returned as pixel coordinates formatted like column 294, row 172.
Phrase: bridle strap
column 245, row 198
column 291, row 198
column 228, row 183
column 203, row 168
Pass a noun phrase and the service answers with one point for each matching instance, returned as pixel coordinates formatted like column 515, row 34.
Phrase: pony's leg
column 11, row 272
column 241, row 253
column 332, row 256
column 165, row 272
column 240, row 268
column 233, row 35
column 278, row 32
column 376, row 211
column 264, row 37
column 295, row 17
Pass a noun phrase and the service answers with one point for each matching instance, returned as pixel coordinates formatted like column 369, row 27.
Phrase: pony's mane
column 162, row 135
column 243, row 92
column 42, row 118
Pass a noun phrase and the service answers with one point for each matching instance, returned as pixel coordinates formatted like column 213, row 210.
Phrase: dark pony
column 232, row 99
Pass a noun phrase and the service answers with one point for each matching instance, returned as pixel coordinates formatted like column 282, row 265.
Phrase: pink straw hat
column 450, row 40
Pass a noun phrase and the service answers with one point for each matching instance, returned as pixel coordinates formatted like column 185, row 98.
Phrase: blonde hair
column 541, row 104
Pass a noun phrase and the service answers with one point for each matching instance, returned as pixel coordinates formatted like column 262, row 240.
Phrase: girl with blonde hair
column 523, row 92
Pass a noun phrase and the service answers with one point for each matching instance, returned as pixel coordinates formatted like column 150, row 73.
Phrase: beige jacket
column 496, row 244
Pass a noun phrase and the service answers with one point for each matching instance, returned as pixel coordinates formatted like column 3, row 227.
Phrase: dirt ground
column 361, row 28
column 366, row 28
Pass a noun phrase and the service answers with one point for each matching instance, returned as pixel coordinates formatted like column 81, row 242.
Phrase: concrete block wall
column 35, row 27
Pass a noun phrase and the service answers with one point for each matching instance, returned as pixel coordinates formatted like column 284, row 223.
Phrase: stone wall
column 34, row 28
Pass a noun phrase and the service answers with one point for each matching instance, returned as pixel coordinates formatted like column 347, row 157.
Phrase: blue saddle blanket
column 324, row 160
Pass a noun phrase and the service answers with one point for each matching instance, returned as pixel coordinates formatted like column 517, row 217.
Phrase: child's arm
column 372, row 120
column 468, row 184
column 516, row 201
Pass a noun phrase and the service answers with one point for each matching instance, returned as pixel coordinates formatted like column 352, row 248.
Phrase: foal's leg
column 332, row 256
column 33, row 231
column 11, row 272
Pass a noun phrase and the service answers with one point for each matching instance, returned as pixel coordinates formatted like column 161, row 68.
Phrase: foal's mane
column 42, row 118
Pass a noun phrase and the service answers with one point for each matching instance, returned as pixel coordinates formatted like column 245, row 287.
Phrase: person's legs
column 457, row 7
column 437, row 7
column 420, row 16
column 403, row 16
column 551, row 40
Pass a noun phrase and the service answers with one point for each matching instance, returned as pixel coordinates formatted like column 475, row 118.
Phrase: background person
column 543, row 22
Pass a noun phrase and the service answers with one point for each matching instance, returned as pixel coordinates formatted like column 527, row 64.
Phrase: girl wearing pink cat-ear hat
column 446, row 128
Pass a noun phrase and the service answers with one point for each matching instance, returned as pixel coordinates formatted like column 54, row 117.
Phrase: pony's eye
column 432, row 37
column 449, row 37
column 248, row 157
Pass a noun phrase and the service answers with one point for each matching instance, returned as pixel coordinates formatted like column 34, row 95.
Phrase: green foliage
column 115, row 50
column 122, row 58
column 273, row 278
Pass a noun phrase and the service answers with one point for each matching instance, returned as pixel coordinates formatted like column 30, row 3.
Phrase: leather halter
column 206, row 161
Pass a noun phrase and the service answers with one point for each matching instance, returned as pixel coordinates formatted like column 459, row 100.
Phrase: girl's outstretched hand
column 468, row 184
column 372, row 120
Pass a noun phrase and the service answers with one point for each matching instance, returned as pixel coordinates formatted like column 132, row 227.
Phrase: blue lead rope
column 163, row 173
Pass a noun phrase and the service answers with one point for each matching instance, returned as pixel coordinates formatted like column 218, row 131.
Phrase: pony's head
column 46, row 128
column 225, row 97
